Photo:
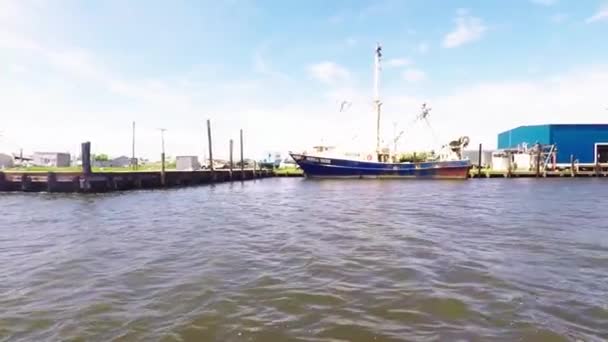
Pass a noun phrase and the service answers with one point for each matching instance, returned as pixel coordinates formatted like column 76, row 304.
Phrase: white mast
column 377, row 103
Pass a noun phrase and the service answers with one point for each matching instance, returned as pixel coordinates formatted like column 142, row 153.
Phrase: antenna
column 377, row 103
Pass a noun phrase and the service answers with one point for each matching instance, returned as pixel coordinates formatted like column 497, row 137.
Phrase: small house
column 6, row 161
column 55, row 159
column 187, row 163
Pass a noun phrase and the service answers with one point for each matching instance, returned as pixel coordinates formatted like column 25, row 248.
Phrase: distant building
column 587, row 143
column 473, row 156
column 122, row 161
column 187, row 163
column 6, row 161
column 58, row 159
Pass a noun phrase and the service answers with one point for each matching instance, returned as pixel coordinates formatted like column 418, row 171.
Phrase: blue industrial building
column 588, row 143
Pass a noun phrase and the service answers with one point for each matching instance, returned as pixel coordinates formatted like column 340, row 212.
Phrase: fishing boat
column 329, row 162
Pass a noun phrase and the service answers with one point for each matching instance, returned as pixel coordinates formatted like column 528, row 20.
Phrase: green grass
column 288, row 171
column 149, row 167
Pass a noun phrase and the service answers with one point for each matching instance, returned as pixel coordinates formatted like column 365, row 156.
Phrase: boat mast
column 377, row 103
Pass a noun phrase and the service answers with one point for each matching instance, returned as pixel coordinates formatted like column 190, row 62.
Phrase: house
column 122, row 161
column 187, row 163
column 6, row 161
column 56, row 159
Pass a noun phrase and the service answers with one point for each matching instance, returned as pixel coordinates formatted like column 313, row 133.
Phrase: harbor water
column 306, row 260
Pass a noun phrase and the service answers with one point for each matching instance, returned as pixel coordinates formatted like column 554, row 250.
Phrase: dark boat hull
column 318, row 167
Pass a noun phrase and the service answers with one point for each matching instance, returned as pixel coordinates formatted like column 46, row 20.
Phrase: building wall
column 578, row 140
column 51, row 159
column 63, row 159
column 187, row 163
column 473, row 156
column 524, row 134
column 6, row 161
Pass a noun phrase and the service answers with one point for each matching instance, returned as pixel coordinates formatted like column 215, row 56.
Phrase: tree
column 102, row 157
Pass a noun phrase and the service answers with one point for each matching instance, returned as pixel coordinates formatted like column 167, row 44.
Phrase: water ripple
column 299, row 260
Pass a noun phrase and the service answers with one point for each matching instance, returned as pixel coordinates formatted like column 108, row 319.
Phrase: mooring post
column 230, row 165
column 86, row 158
column 538, row 150
column 2, row 181
column 479, row 163
column 572, row 165
column 510, row 167
column 51, row 181
column 242, row 158
column 210, row 151
column 598, row 168
column 26, row 181
column 86, row 166
column 163, row 175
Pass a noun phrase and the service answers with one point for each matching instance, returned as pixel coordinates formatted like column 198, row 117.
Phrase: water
column 291, row 259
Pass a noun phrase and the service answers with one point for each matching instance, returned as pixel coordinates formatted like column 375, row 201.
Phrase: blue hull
column 317, row 167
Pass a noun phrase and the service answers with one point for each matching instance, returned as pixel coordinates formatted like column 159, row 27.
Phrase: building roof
column 51, row 153
column 597, row 125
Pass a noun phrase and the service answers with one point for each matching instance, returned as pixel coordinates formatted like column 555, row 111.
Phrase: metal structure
column 377, row 103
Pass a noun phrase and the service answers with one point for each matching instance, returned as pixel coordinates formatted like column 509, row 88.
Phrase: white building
column 58, row 159
column 187, row 163
column 6, row 161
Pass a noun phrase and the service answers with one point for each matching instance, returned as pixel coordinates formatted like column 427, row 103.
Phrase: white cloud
column 483, row 110
column 263, row 67
column 17, row 68
column 601, row 14
column 414, row 75
column 545, row 2
column 329, row 72
column 468, row 29
column 398, row 62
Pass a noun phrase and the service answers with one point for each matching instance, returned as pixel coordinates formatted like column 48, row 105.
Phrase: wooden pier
column 119, row 181
column 593, row 171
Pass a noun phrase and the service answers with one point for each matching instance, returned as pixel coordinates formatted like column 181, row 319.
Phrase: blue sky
column 84, row 70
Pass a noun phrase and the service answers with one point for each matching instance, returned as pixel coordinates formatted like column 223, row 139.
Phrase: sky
column 74, row 71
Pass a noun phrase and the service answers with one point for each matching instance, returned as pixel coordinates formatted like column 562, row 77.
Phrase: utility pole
column 242, row 159
column 231, row 160
column 162, row 156
column 210, row 146
column 377, row 102
column 133, row 160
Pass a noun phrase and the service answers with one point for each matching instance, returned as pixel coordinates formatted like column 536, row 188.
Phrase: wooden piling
column 479, row 163
column 538, row 150
column 510, row 168
column 242, row 158
column 572, row 171
column 3, row 185
column 26, row 182
column 51, row 182
column 231, row 162
column 86, row 158
column 163, row 175
column 210, row 150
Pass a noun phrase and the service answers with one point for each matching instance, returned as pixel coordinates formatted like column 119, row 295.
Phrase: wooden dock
column 119, row 181
column 567, row 173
